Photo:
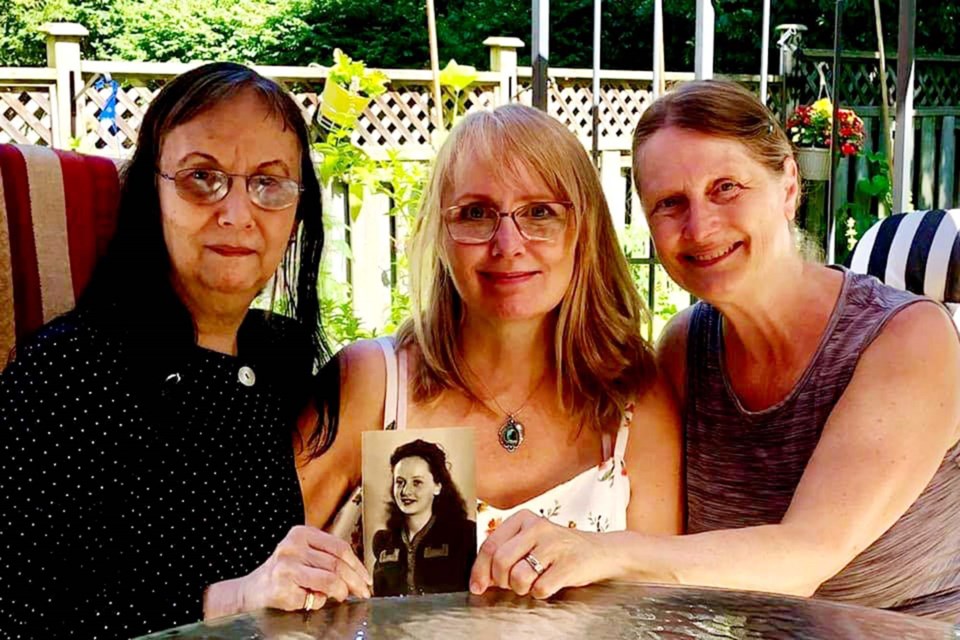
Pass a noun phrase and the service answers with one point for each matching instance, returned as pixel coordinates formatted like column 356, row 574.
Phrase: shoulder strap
column 390, row 400
column 401, row 413
column 623, row 434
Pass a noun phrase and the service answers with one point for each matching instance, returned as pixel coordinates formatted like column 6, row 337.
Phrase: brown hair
column 717, row 108
column 600, row 355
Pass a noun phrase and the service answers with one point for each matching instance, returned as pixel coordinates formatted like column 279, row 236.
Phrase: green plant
column 854, row 218
column 668, row 297
column 346, row 166
column 354, row 76
column 344, row 163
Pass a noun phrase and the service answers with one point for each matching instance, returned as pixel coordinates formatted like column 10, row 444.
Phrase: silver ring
column 534, row 564
column 308, row 601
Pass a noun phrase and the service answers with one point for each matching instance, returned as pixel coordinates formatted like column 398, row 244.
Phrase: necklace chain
column 508, row 414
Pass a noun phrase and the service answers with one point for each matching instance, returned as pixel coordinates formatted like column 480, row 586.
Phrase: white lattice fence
column 132, row 103
column 25, row 115
column 622, row 102
column 403, row 117
column 400, row 119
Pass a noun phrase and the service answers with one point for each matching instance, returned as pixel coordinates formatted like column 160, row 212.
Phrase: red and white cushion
column 57, row 214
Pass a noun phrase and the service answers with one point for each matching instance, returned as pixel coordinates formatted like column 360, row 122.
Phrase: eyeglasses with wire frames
column 478, row 223
column 209, row 186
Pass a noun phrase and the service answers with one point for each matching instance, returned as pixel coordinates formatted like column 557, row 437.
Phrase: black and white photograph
column 419, row 510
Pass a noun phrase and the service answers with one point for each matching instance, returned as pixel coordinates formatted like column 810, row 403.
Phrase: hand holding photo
column 419, row 510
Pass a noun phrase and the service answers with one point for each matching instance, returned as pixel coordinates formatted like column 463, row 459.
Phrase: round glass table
column 612, row 610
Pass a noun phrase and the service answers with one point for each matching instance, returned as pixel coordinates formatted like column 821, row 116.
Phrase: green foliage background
column 392, row 33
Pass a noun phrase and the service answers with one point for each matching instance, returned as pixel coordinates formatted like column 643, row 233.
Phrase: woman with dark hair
column 149, row 432
column 429, row 544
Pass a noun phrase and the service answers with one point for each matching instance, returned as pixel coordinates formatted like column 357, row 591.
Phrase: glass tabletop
column 611, row 610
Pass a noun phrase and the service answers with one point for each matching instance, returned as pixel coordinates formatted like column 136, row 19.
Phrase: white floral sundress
column 594, row 500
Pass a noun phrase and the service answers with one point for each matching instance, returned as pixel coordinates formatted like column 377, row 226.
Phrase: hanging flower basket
column 814, row 163
column 810, row 128
column 341, row 107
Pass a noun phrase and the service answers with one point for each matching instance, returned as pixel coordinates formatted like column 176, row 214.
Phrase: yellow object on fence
column 341, row 107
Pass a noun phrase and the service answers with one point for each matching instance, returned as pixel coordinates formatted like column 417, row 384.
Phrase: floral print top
column 594, row 500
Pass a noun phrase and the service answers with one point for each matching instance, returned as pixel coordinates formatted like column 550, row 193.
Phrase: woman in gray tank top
column 821, row 407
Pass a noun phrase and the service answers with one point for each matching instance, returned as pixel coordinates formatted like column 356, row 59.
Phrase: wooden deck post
column 503, row 60
column 63, row 54
column 903, row 138
column 703, row 56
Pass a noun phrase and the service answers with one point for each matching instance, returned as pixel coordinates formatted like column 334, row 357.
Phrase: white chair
column 917, row 251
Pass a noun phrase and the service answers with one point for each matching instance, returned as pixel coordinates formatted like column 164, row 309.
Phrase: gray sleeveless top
column 744, row 466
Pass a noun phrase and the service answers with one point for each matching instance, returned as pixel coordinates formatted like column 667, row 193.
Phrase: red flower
column 848, row 149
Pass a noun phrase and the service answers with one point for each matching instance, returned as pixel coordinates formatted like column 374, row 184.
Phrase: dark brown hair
column 449, row 504
column 131, row 287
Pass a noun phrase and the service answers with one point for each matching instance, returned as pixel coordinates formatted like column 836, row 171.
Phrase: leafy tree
column 392, row 33
column 21, row 43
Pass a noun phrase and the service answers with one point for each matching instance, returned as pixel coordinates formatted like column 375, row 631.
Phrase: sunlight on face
column 231, row 247
column 509, row 277
column 719, row 218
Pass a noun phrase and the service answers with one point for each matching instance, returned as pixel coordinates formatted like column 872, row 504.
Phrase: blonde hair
column 602, row 360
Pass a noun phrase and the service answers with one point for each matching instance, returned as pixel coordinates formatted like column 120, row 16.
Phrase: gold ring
column 534, row 564
column 308, row 601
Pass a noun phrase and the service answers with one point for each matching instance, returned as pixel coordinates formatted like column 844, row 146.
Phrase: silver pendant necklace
column 511, row 432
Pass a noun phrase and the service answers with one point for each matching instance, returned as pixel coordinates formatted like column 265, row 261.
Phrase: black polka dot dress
column 125, row 495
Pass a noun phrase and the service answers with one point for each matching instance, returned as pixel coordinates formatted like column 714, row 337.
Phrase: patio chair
column 57, row 213
column 917, row 251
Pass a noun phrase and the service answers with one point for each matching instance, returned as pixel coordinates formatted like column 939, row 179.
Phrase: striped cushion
column 917, row 251
column 57, row 213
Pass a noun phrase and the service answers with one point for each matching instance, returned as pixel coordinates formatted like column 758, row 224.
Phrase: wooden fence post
column 370, row 249
column 612, row 180
column 503, row 60
column 63, row 54
column 948, row 155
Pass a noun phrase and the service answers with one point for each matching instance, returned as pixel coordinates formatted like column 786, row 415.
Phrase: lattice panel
column 937, row 82
column 25, row 116
column 621, row 105
column 403, row 116
column 400, row 118
column 309, row 102
column 622, row 102
column 132, row 103
column 571, row 104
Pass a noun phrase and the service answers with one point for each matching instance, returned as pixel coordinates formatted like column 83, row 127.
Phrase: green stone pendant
column 511, row 434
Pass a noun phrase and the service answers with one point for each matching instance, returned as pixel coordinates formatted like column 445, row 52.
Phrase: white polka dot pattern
column 121, row 504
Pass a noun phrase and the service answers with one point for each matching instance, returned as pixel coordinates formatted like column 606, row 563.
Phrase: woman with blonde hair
column 525, row 326
column 820, row 406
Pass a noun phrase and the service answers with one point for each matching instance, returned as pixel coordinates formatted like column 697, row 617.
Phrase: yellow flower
column 824, row 107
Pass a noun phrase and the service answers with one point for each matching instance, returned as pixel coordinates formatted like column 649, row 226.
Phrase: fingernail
column 476, row 588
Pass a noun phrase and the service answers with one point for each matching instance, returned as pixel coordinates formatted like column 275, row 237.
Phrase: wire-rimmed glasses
column 209, row 186
column 478, row 222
